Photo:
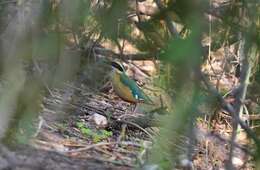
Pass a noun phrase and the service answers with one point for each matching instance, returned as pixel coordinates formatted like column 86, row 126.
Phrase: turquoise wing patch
column 131, row 84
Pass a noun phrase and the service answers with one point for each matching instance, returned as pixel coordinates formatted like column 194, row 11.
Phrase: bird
column 126, row 88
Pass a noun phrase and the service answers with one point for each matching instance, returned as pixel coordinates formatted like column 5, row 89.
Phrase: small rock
column 99, row 120
column 237, row 162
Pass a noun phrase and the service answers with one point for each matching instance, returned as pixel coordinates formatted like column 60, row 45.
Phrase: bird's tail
column 148, row 100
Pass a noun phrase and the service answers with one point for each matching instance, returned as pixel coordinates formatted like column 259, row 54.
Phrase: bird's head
column 118, row 67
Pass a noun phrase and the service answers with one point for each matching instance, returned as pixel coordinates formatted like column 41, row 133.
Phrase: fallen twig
column 102, row 144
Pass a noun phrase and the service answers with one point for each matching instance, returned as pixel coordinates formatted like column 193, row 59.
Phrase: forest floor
column 82, row 128
column 80, row 123
column 83, row 124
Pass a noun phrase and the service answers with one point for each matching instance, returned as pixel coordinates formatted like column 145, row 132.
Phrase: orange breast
column 122, row 90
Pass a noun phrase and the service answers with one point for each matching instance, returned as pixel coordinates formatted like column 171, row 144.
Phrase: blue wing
column 136, row 91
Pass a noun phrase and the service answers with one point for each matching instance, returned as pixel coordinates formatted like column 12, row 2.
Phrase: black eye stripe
column 118, row 66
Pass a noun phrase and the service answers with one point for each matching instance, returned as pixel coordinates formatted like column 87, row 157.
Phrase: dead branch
column 109, row 53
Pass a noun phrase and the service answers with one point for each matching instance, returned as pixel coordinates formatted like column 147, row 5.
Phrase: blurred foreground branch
column 228, row 107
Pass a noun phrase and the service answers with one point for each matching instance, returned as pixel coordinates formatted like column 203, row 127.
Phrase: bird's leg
column 134, row 107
